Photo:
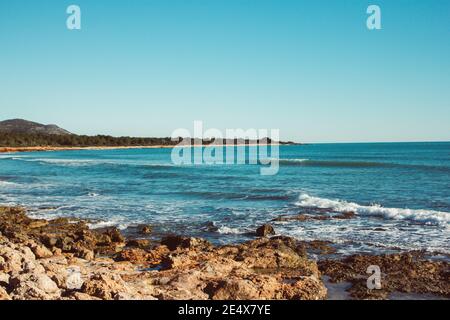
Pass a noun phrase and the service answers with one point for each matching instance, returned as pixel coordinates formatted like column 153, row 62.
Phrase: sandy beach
column 49, row 148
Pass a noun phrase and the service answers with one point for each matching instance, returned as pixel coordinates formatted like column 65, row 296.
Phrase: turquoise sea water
column 400, row 193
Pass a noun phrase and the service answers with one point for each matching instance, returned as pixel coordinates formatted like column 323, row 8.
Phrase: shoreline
column 112, row 266
column 49, row 148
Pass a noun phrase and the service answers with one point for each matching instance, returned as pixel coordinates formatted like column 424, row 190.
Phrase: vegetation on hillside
column 14, row 140
column 33, row 140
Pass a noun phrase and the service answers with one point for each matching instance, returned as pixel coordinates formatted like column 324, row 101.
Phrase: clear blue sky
column 310, row 68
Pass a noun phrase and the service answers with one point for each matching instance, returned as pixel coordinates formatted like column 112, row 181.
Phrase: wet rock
column 265, row 230
column 184, row 267
column 319, row 247
column 174, row 242
column 113, row 233
column 406, row 272
column 145, row 229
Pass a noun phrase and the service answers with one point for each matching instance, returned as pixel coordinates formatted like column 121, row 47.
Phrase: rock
column 145, row 229
column 265, row 230
column 41, row 251
column 34, row 224
column 82, row 296
column 406, row 272
column 133, row 255
column 4, row 279
column 105, row 286
column 4, row 295
column 85, row 254
column 139, row 243
column 174, row 242
column 240, row 289
column 113, row 233
column 34, row 286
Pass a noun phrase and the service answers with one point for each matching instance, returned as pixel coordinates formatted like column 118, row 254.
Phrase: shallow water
column 400, row 193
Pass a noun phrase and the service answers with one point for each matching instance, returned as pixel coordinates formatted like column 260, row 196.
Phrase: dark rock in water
column 265, row 230
column 145, row 229
column 346, row 215
column 210, row 226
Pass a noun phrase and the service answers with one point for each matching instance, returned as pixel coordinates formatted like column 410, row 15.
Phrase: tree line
column 73, row 140
column 35, row 140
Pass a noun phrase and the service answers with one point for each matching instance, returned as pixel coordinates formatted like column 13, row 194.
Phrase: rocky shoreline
column 63, row 259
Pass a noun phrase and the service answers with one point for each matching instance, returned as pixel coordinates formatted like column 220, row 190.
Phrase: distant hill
column 21, row 126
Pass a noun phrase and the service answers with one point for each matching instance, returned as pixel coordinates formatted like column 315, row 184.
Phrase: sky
column 311, row 68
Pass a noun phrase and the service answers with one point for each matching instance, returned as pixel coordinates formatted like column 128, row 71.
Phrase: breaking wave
column 429, row 217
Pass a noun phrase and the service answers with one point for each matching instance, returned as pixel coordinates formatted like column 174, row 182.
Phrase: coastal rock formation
column 405, row 272
column 265, row 230
column 64, row 259
column 60, row 259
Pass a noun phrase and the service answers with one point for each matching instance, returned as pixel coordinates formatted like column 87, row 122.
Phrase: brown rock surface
column 405, row 272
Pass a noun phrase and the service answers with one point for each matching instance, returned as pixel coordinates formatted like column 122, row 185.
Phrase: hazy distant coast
column 18, row 135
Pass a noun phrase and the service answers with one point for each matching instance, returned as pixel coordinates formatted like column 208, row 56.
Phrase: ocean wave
column 92, row 162
column 429, row 217
column 8, row 184
column 358, row 164
column 229, row 230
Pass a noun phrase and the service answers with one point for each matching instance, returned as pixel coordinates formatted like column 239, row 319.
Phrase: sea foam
column 429, row 217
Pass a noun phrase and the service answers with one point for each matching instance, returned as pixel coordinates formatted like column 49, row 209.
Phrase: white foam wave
column 429, row 217
column 8, row 184
column 228, row 230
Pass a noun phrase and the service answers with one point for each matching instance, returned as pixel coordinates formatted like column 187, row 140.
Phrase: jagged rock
column 113, row 233
column 105, row 286
column 406, row 272
column 85, row 254
column 4, row 279
column 139, row 243
column 145, row 229
column 82, row 296
column 265, row 230
column 41, row 251
column 133, row 255
column 174, row 242
column 34, row 286
column 4, row 295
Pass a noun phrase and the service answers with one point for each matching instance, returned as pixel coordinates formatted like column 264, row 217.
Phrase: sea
column 399, row 192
